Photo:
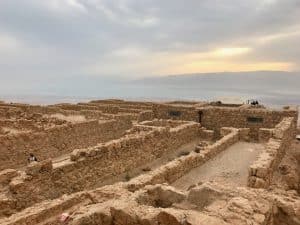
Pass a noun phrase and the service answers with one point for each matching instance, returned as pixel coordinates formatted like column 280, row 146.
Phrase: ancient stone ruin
column 115, row 162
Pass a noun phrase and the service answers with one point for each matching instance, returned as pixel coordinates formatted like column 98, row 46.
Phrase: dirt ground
column 230, row 166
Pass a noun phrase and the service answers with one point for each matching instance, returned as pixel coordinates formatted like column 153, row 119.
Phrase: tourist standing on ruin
column 32, row 158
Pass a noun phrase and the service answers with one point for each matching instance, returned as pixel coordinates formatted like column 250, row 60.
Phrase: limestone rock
column 7, row 175
column 203, row 195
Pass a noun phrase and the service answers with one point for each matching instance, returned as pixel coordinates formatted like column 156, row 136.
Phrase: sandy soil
column 70, row 118
column 230, row 166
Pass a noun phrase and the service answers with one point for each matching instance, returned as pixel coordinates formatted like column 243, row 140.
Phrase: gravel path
column 230, row 166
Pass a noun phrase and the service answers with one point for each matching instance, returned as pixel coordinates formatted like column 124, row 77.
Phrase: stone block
column 36, row 168
column 244, row 134
column 225, row 131
column 260, row 183
column 203, row 195
column 7, row 175
column 264, row 134
column 278, row 133
column 78, row 153
column 262, row 172
column 252, row 170
column 207, row 134
column 251, row 181
column 17, row 186
column 146, row 115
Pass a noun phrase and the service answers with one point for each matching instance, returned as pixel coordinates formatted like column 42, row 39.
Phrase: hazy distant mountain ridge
column 275, row 87
column 262, row 79
column 270, row 87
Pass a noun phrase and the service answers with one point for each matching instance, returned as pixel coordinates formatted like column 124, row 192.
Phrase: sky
column 64, row 39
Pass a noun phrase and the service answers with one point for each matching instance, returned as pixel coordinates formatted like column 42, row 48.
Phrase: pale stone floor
column 228, row 167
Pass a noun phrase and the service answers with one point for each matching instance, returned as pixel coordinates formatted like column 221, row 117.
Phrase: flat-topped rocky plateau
column 115, row 162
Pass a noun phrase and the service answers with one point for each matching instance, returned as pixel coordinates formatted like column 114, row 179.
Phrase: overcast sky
column 53, row 39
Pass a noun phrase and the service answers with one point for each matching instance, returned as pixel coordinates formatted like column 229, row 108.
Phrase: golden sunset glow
column 226, row 66
column 219, row 60
column 226, row 52
column 114, row 38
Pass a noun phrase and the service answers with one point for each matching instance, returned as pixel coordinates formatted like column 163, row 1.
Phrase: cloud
column 229, row 51
column 8, row 43
column 65, row 5
column 63, row 38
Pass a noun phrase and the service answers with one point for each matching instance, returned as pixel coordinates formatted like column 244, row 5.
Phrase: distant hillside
column 273, row 88
column 269, row 80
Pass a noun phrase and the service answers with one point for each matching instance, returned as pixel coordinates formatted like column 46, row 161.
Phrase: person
column 64, row 218
column 32, row 158
column 254, row 102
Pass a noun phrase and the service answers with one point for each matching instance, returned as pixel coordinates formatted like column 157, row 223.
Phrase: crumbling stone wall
column 164, row 111
column 163, row 204
column 87, row 168
column 177, row 168
column 119, row 107
column 76, row 107
column 111, row 109
column 7, row 111
column 264, row 134
column 58, row 140
column 146, row 115
column 22, row 124
column 163, row 123
column 88, row 114
column 123, row 103
column 90, row 167
column 261, row 171
column 29, row 109
column 215, row 117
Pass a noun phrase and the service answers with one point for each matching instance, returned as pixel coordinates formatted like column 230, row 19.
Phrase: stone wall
column 91, row 112
column 57, row 141
column 123, row 103
column 39, row 213
column 164, row 111
column 75, row 107
column 264, row 134
column 216, row 117
column 7, row 111
column 125, row 107
column 146, row 115
column 87, row 168
column 177, row 168
column 163, row 123
column 88, row 114
column 261, row 171
column 16, row 109
column 90, row 167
